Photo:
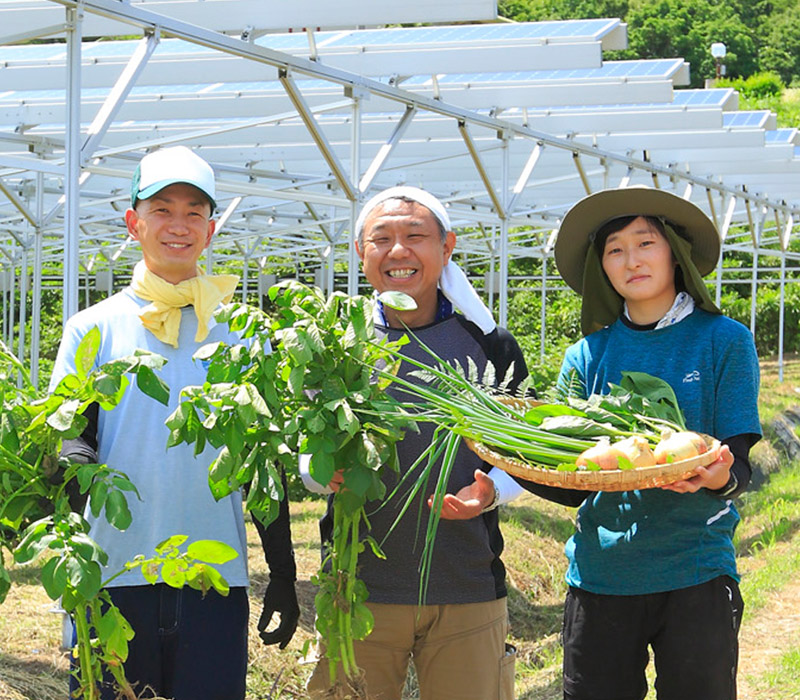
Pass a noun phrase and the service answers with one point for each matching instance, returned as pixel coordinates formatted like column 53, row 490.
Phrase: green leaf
column 68, row 385
column 34, row 540
column 212, row 578
column 145, row 358
column 295, row 344
column 173, row 573
column 576, row 426
column 321, row 468
column 117, row 511
column 87, row 352
column 537, row 414
column 98, row 494
column 211, row 551
column 114, row 631
column 363, row 621
column 207, row 351
column 234, row 438
column 359, row 480
column 85, row 576
column 62, row 419
column 398, row 300
column 171, row 543
column 296, row 379
column 346, row 419
column 111, row 386
column 54, row 577
column 152, row 385
column 180, row 416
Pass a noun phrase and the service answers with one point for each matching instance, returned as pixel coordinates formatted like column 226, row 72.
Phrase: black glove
column 280, row 597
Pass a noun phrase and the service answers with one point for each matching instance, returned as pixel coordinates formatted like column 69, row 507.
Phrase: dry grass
column 32, row 666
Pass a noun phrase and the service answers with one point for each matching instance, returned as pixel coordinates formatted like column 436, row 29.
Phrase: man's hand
column 280, row 598
column 470, row 501
column 336, row 481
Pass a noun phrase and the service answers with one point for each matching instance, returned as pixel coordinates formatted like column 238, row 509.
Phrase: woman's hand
column 713, row 476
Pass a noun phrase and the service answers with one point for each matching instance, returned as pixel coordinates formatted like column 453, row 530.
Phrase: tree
column 541, row 10
column 780, row 51
column 687, row 28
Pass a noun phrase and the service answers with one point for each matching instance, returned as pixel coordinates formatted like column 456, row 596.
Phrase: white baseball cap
column 168, row 166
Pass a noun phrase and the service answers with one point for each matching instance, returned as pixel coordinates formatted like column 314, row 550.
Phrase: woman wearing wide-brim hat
column 656, row 567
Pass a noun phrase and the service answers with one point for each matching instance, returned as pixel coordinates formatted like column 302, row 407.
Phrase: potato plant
column 303, row 382
column 37, row 519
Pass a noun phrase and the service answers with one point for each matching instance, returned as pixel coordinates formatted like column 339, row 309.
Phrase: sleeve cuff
column 507, row 488
column 303, row 466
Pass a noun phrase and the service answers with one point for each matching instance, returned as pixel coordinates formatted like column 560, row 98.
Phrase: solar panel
column 399, row 36
column 745, row 119
column 610, row 70
column 778, row 136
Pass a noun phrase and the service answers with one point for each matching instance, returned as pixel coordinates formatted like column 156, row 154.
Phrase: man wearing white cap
column 458, row 638
column 186, row 646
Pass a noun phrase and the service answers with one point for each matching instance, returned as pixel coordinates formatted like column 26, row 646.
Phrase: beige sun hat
column 586, row 217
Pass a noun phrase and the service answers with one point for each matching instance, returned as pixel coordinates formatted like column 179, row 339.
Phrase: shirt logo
column 692, row 377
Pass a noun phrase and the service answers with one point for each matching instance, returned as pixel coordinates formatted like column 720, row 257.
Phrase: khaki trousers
column 459, row 652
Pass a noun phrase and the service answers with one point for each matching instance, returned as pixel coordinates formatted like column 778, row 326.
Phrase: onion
column 637, row 450
column 603, row 454
column 675, row 447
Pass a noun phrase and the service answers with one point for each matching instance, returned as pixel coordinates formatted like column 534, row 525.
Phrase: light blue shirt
column 132, row 438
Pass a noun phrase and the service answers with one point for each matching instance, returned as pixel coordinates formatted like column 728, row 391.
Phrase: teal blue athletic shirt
column 653, row 540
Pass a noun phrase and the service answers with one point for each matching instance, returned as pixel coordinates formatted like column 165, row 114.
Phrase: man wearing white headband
column 186, row 646
column 458, row 638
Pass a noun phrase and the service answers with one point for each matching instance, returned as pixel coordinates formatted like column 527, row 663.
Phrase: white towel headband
column 453, row 282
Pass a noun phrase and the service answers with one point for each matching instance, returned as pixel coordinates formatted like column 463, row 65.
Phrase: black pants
column 693, row 633
column 187, row 647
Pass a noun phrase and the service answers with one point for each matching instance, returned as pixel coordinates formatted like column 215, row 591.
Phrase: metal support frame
column 116, row 98
column 316, row 133
column 72, row 166
column 508, row 206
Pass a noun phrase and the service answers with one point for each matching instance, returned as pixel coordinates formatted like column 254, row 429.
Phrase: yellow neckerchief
column 163, row 317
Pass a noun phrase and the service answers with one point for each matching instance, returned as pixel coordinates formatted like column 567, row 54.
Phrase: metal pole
column 23, row 302
column 353, row 263
column 492, row 275
column 754, row 291
column 4, row 273
column 12, row 295
column 781, row 316
column 543, row 310
column 36, row 315
column 503, row 315
column 72, row 165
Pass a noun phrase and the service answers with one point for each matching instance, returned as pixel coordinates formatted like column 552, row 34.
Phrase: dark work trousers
column 187, row 647
column 693, row 633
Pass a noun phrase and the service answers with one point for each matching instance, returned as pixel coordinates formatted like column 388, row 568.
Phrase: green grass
column 784, row 681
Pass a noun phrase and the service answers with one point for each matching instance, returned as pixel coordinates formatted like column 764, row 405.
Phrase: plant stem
column 349, row 650
column 84, row 643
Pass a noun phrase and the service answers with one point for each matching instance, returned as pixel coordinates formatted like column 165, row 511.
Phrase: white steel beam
column 236, row 15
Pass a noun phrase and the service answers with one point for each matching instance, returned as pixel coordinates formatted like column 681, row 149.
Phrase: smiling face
column 402, row 249
column 639, row 264
column 173, row 227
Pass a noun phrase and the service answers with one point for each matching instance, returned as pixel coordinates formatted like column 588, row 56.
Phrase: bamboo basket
column 602, row 480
